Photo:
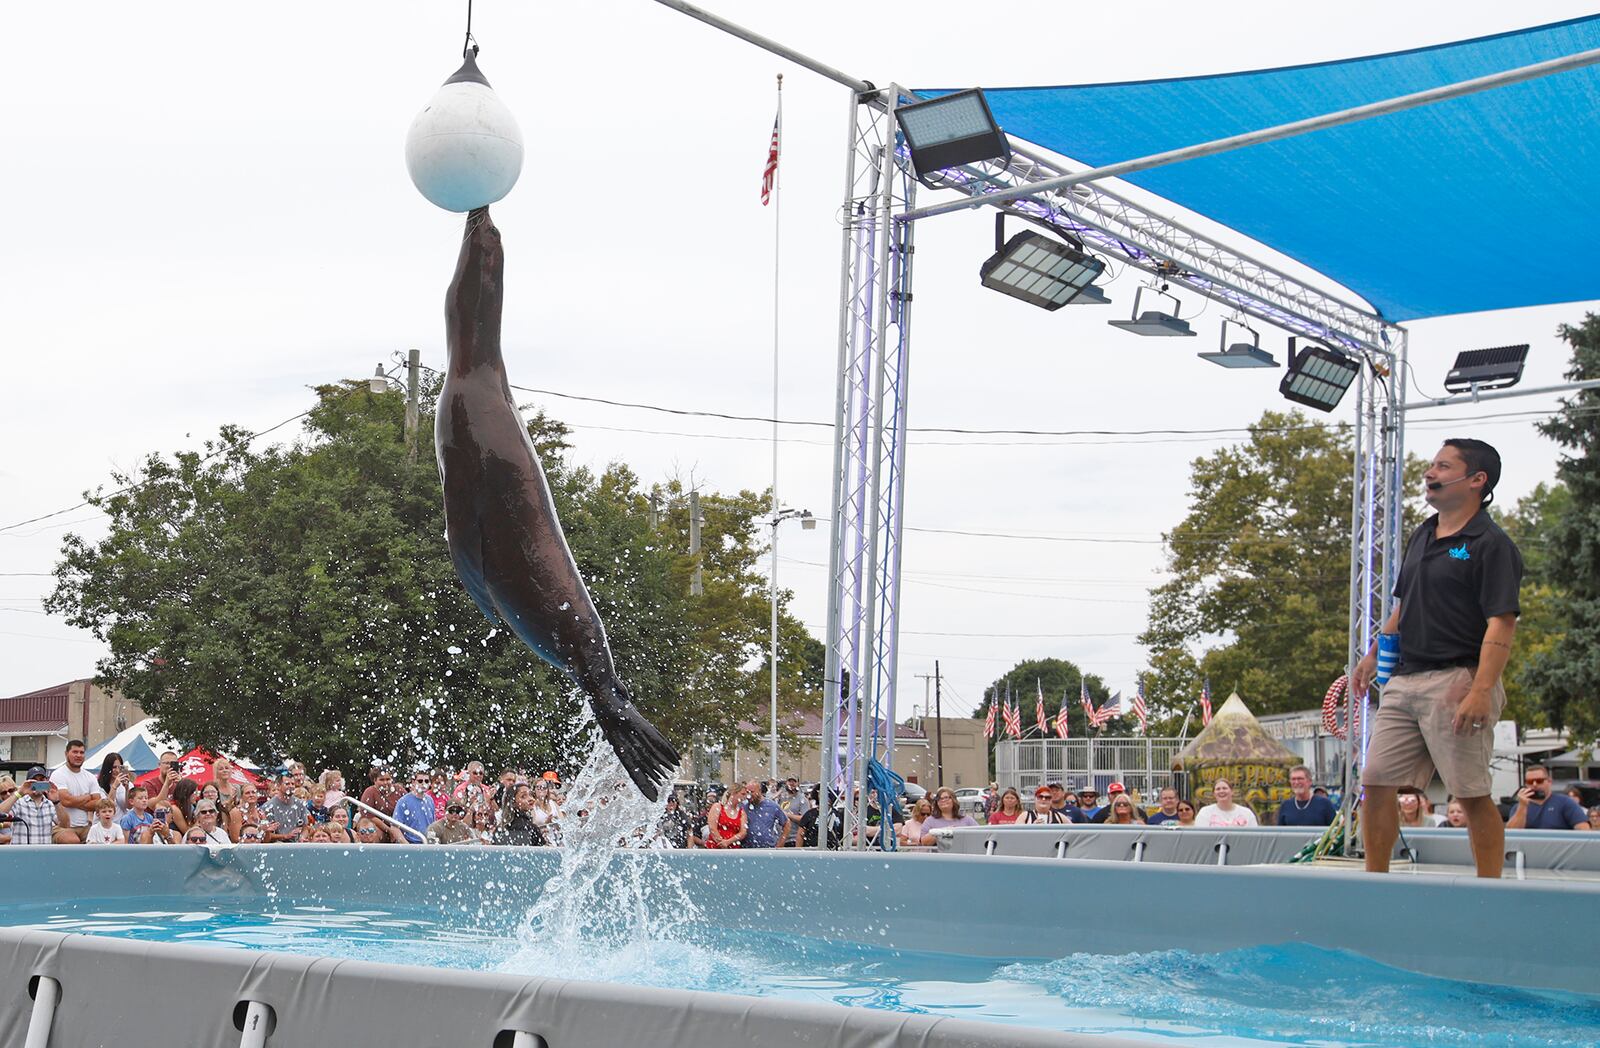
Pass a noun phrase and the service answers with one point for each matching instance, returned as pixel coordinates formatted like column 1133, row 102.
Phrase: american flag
column 1061, row 718
column 988, row 722
column 1038, row 710
column 1112, row 708
column 1205, row 702
column 1013, row 719
column 1083, row 700
column 769, row 176
column 1139, row 708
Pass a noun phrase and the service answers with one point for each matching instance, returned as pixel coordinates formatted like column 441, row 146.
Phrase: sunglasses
column 7, row 793
column 1535, row 782
column 366, row 829
column 196, row 840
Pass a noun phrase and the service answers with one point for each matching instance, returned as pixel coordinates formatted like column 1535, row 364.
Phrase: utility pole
column 696, row 581
column 927, row 710
column 938, row 720
column 655, row 511
column 413, row 405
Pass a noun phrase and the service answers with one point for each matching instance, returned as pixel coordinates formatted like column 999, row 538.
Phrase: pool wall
column 984, row 906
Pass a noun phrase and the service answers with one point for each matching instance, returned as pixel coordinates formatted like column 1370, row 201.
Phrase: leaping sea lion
column 500, row 521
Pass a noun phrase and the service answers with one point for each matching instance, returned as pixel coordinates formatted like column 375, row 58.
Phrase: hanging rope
column 470, row 46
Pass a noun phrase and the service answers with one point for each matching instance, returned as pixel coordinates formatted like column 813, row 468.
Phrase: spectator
column 1302, row 807
column 765, row 819
column 226, row 778
column 114, row 780
column 807, row 834
column 504, row 790
column 1594, row 818
column 36, row 817
column 183, row 798
column 439, row 790
column 104, row 828
column 675, row 823
column 137, row 821
column 1186, row 812
column 161, row 830
column 947, row 813
column 332, row 781
column 368, row 831
column 794, row 814
column 517, row 826
column 483, row 825
column 474, row 792
column 195, row 836
column 383, row 794
column 1539, row 809
column 546, row 813
column 1413, row 812
column 1124, row 812
column 1063, row 802
column 452, row 828
column 1167, row 810
column 250, row 833
column 1089, row 802
column 78, row 792
column 167, row 781
column 788, row 793
column 247, row 810
column 1455, row 816
column 317, row 804
column 1009, row 810
column 210, row 792
column 1224, row 814
column 206, row 818
column 415, row 809
column 726, row 825
column 1044, row 810
column 286, row 814
column 339, row 825
column 1575, row 792
column 1113, row 791
column 911, row 833
column 319, row 835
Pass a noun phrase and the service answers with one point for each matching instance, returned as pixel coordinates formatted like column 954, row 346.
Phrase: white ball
column 464, row 150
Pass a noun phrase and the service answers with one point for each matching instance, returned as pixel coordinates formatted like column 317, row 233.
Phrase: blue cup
column 1388, row 657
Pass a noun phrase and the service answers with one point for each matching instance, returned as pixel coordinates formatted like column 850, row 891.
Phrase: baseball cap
column 37, row 772
column 458, row 808
column 1115, row 787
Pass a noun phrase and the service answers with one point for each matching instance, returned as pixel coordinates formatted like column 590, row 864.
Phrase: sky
column 207, row 214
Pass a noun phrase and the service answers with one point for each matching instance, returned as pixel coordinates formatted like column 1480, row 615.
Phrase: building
column 957, row 741
column 35, row 726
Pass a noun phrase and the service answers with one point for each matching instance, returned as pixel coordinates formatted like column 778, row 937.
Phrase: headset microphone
column 1437, row 485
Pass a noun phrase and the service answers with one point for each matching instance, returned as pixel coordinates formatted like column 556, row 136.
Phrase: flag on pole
column 1061, row 717
column 1083, row 700
column 1013, row 719
column 1112, row 708
column 1205, row 702
column 769, row 175
column 988, row 722
column 1139, row 709
column 1038, row 709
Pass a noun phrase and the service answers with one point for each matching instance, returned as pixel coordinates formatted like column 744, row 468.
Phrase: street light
column 807, row 523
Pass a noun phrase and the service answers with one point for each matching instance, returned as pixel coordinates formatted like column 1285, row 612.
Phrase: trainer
column 1456, row 612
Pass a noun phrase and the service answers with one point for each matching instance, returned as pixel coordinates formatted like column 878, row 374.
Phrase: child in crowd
column 104, row 829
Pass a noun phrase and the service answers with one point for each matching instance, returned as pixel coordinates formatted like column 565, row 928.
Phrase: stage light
column 1318, row 376
column 1091, row 295
column 952, row 130
column 1498, row 368
column 1240, row 354
column 1038, row 269
column 1153, row 321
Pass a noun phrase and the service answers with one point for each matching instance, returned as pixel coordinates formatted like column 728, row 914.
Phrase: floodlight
column 951, row 130
column 1091, row 295
column 1038, row 269
column 1318, row 376
column 1240, row 354
column 1476, row 369
column 1154, row 321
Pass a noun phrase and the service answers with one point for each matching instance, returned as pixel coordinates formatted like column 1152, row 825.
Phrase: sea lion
column 501, row 526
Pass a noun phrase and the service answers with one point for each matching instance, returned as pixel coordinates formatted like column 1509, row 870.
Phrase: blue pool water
column 1293, row 994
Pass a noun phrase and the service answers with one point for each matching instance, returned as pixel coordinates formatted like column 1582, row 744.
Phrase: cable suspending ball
column 464, row 150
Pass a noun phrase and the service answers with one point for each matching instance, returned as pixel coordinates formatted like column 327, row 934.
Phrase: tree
column 1261, row 570
column 1542, row 622
column 1565, row 674
column 299, row 601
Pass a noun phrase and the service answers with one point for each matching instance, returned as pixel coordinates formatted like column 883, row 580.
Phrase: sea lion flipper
column 468, row 562
column 648, row 758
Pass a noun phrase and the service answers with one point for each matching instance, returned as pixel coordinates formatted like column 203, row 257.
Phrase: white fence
column 1141, row 765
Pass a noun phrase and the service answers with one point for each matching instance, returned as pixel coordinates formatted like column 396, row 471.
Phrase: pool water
column 1292, row 994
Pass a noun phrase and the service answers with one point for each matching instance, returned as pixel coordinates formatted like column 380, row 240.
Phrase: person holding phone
column 36, row 817
column 1539, row 809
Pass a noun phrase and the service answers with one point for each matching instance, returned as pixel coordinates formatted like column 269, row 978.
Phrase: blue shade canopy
column 1490, row 201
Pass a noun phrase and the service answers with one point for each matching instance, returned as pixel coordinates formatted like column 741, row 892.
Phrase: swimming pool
column 918, row 949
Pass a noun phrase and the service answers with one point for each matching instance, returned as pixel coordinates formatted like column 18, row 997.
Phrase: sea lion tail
column 648, row 758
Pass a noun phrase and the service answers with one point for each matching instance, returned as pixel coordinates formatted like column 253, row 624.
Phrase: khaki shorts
column 1414, row 733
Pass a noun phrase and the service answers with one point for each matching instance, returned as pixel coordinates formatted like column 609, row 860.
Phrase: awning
column 1478, row 203
column 34, row 728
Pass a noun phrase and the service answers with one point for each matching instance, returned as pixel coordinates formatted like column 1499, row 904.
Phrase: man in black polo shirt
column 1456, row 612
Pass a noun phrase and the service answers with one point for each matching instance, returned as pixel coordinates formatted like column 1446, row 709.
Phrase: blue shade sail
column 1491, row 201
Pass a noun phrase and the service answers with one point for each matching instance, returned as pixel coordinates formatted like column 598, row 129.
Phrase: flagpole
column 777, row 228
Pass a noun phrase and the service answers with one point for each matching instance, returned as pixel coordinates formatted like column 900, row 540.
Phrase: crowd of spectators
column 74, row 805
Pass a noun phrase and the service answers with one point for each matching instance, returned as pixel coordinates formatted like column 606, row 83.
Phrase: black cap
column 469, row 72
column 37, row 772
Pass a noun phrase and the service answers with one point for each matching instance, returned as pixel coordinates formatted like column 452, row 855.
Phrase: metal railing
column 1142, row 765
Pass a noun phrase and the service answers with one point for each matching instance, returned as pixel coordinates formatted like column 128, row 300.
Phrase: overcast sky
column 207, row 213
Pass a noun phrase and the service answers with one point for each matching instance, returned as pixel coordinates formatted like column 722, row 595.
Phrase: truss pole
column 833, row 681
column 767, row 44
column 1352, row 747
column 1279, row 131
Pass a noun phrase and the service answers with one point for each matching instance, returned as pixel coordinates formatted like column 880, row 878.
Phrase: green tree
column 1565, row 673
column 1542, row 622
column 299, row 601
column 1260, row 572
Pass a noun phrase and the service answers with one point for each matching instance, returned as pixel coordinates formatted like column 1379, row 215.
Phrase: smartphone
column 40, row 785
